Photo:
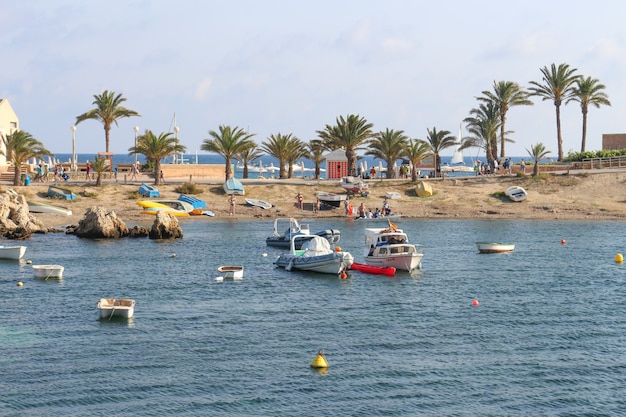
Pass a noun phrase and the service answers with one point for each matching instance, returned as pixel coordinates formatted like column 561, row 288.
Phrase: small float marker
column 343, row 275
column 173, row 255
column 475, row 303
column 19, row 283
column 563, row 242
column 265, row 254
column 619, row 258
column 319, row 361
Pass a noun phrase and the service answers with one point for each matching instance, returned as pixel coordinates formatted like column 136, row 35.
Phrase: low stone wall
column 199, row 171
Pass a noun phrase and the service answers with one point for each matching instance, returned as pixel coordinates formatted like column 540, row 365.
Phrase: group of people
column 481, row 168
column 368, row 214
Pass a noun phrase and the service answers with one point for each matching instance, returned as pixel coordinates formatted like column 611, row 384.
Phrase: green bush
column 188, row 188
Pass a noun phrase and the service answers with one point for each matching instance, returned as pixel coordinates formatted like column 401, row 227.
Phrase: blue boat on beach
column 195, row 202
column 62, row 193
column 149, row 191
column 233, row 186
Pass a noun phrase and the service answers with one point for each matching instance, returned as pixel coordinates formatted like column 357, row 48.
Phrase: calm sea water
column 548, row 337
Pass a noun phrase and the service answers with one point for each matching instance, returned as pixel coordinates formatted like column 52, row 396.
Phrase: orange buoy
column 337, row 248
column 562, row 241
column 475, row 303
column 343, row 275
column 319, row 361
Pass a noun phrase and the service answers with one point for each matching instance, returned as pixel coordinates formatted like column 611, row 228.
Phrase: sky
column 277, row 66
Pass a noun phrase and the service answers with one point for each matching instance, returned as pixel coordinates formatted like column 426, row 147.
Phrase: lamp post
column 136, row 129
column 73, row 165
column 176, row 129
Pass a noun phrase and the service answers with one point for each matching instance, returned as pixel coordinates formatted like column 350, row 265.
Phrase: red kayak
column 371, row 269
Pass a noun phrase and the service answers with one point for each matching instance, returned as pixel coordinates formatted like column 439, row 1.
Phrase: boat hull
column 12, row 252
column 332, row 263
column 35, row 207
column 259, row 203
column 149, row 191
column 516, row 194
column 492, row 247
column 113, row 307
column 401, row 262
column 371, row 269
column 61, row 193
column 233, row 186
column 48, row 271
column 331, row 199
column 231, row 272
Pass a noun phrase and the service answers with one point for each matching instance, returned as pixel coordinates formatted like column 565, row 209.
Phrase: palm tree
column 349, row 134
column 483, row 127
column 248, row 155
column 108, row 110
column 415, row 152
column 388, row 146
column 316, row 149
column 99, row 165
column 505, row 95
column 155, row 148
column 228, row 142
column 20, row 147
column 437, row 142
column 296, row 149
column 280, row 147
column 588, row 91
column 558, row 86
column 537, row 153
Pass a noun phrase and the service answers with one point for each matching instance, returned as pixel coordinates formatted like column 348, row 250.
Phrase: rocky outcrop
column 165, row 226
column 138, row 231
column 15, row 220
column 99, row 223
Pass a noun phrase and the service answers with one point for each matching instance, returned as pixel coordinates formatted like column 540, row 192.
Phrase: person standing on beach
column 88, row 171
column 161, row 176
column 522, row 166
column 135, row 171
column 231, row 201
column 300, row 201
column 362, row 210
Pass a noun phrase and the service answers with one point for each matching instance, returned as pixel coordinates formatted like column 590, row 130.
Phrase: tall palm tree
column 438, row 141
column 316, row 149
column 248, row 155
column 155, row 148
column 20, row 147
column 537, row 152
column 505, row 95
column 388, row 146
column 483, row 126
column 588, row 91
column 280, row 147
column 558, row 86
column 296, row 149
column 108, row 110
column 349, row 134
column 228, row 142
column 415, row 152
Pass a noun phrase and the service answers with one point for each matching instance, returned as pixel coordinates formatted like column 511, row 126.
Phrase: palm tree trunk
column 391, row 174
column 17, row 171
column 157, row 172
column 351, row 162
column 107, row 131
column 584, row 141
column 559, row 138
column 502, row 153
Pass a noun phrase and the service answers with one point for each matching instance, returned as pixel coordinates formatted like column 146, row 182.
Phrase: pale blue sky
column 294, row 66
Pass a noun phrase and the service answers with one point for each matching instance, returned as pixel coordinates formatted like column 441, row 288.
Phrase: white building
column 9, row 123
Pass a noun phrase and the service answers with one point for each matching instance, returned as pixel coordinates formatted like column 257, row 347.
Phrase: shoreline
column 568, row 196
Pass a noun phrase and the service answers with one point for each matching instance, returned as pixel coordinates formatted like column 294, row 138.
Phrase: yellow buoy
column 619, row 258
column 319, row 361
column 19, row 283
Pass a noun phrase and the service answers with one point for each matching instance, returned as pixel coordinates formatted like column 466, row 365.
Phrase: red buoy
column 562, row 241
column 475, row 303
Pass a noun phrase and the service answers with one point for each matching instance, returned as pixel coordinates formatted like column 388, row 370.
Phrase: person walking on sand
column 135, row 171
column 161, row 176
column 522, row 166
column 300, row 200
column 88, row 171
column 231, row 202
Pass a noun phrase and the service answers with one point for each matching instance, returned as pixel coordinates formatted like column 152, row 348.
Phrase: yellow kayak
column 167, row 210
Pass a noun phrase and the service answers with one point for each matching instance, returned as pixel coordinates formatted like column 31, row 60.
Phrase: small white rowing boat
column 12, row 252
column 516, row 193
column 116, row 307
column 48, row 271
column 231, row 272
column 493, row 247
column 259, row 203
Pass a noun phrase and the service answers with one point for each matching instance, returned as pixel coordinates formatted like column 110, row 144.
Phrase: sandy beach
column 573, row 196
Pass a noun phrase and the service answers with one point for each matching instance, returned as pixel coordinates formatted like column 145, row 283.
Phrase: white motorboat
column 331, row 199
column 316, row 255
column 354, row 185
column 299, row 231
column 390, row 247
column 516, row 193
column 48, row 271
column 116, row 307
column 231, row 272
column 12, row 252
column 494, row 247
column 255, row 202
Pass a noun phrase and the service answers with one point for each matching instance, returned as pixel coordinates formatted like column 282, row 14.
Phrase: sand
column 579, row 196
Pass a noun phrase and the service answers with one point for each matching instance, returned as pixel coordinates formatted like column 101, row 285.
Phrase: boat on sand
column 37, row 207
column 516, row 193
column 255, row 202
column 233, row 186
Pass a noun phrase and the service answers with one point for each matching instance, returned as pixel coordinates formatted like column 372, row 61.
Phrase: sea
column 546, row 338
column 266, row 162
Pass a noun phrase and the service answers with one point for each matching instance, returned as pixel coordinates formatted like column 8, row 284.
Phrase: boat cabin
column 391, row 240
